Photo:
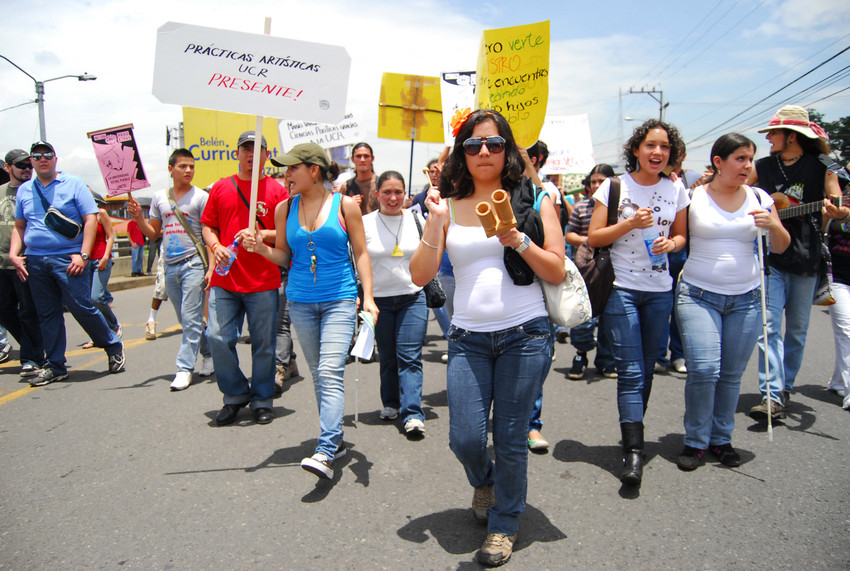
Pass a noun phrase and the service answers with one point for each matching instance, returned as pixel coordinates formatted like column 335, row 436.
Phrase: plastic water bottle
column 657, row 261
column 232, row 249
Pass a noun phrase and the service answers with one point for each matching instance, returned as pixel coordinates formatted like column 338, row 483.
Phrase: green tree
column 839, row 135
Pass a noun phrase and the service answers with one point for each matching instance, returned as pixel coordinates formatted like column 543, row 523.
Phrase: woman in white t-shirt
column 499, row 340
column 391, row 238
column 718, row 297
column 650, row 224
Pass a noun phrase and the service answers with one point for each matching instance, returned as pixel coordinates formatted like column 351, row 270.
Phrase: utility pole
column 660, row 99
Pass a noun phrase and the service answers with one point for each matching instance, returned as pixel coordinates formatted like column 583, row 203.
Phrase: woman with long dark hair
column 499, row 340
column 651, row 222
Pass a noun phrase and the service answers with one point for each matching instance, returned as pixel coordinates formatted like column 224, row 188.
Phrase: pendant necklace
column 397, row 253
column 311, row 246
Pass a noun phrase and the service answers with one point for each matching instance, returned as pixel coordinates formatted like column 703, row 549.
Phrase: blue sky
column 712, row 60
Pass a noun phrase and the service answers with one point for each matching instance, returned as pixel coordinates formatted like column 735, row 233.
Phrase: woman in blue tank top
column 322, row 290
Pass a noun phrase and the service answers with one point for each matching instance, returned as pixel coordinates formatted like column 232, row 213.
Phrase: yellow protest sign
column 410, row 108
column 513, row 77
column 211, row 136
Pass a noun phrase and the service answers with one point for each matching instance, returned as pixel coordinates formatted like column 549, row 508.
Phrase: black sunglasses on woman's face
column 472, row 146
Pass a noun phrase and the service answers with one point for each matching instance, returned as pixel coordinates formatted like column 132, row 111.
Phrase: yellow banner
column 513, row 77
column 410, row 108
column 211, row 136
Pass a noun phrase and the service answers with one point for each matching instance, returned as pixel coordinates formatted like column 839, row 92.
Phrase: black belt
column 183, row 261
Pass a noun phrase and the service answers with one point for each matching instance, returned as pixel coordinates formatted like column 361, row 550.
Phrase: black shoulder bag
column 598, row 274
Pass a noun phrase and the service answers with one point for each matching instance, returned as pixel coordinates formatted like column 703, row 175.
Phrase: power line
column 833, row 94
column 704, row 33
column 676, row 47
column 769, row 81
column 718, row 38
column 823, row 63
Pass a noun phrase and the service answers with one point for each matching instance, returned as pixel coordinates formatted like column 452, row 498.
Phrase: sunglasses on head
column 495, row 145
column 23, row 165
column 37, row 156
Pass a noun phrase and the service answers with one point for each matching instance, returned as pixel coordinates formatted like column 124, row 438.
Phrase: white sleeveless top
column 486, row 298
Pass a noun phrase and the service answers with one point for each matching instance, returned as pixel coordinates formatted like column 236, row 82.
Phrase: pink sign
column 119, row 161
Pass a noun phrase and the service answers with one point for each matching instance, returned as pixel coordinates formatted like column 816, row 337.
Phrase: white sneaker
column 389, row 413
column 181, row 381
column 414, row 426
column 206, row 367
column 319, row 465
column 678, row 365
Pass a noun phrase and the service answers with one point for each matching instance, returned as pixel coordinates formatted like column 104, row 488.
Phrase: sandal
column 88, row 345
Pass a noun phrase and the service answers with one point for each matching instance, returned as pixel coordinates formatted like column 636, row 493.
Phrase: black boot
column 632, row 453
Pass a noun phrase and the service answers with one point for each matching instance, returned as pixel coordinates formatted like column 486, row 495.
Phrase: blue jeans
column 443, row 318
column 227, row 310
column 137, row 254
column 185, row 285
column 501, row 369
column 634, row 322
column 719, row 333
column 400, row 333
column 324, row 332
column 100, row 296
column 19, row 317
column 51, row 286
column 536, row 422
column 581, row 337
column 284, row 353
column 793, row 294
column 677, row 262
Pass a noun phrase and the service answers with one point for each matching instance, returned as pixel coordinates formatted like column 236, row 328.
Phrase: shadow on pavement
column 457, row 531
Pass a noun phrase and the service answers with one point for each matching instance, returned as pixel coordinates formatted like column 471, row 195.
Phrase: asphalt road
column 116, row 471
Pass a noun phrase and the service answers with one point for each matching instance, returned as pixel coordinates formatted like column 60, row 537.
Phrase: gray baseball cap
column 248, row 137
column 16, row 155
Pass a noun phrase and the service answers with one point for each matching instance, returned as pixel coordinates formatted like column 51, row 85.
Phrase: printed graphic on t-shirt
column 7, row 210
column 795, row 192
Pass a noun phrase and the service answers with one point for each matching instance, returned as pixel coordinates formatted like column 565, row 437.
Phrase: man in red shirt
column 137, row 243
column 248, row 289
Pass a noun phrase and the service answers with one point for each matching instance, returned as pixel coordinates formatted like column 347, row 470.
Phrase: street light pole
column 39, row 93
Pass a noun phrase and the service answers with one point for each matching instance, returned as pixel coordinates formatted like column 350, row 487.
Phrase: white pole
column 258, row 145
column 760, row 240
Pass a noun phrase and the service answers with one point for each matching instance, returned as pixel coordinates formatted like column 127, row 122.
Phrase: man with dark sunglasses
column 48, row 209
column 17, row 309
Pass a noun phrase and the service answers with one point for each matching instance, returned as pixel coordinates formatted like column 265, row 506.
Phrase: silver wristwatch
column 526, row 242
column 85, row 257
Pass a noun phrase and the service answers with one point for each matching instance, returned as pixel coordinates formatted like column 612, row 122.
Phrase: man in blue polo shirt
column 56, row 217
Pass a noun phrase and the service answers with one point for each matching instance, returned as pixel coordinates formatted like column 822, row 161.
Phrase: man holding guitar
column 793, row 173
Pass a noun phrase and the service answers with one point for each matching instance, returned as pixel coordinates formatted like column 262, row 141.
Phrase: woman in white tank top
column 717, row 299
column 499, row 341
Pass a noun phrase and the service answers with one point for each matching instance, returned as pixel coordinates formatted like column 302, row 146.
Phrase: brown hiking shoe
column 759, row 412
column 496, row 550
column 482, row 498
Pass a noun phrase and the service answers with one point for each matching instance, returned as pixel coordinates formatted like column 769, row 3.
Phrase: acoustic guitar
column 787, row 207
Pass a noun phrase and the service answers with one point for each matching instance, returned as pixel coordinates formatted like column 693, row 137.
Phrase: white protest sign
column 457, row 90
column 253, row 74
column 570, row 145
column 348, row 132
